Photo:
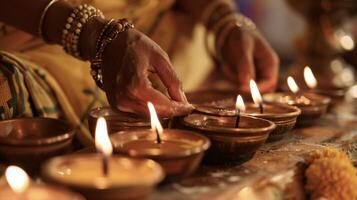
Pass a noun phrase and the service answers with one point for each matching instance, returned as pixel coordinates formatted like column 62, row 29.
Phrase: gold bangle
column 212, row 36
column 210, row 8
column 42, row 19
column 222, row 37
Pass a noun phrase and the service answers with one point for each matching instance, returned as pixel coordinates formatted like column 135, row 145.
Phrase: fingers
column 136, row 91
column 267, row 65
column 246, row 71
column 168, row 76
column 136, row 102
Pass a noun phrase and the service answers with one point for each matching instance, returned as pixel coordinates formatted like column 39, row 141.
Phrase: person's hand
column 247, row 55
column 128, row 63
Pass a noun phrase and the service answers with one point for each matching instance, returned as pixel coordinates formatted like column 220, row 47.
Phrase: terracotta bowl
column 309, row 112
column 176, row 165
column 27, row 142
column 119, row 121
column 229, row 144
column 284, row 121
column 58, row 171
column 284, row 116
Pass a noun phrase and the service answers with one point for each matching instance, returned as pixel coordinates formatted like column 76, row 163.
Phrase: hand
column 127, row 64
column 247, row 55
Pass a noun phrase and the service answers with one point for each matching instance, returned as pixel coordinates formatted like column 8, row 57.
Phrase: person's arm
column 25, row 15
column 127, row 61
column 244, row 54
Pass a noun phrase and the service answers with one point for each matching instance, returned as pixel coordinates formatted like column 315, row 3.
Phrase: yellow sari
column 67, row 90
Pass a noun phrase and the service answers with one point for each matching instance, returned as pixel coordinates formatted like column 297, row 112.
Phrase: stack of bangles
column 221, row 19
column 71, row 34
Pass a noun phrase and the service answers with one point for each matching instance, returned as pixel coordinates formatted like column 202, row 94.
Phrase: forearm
column 198, row 10
column 25, row 15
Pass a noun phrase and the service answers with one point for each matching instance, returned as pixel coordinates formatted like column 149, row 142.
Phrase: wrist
column 215, row 10
column 89, row 37
column 220, row 12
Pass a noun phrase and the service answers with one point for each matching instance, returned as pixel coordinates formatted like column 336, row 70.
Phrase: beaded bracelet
column 108, row 34
column 73, row 28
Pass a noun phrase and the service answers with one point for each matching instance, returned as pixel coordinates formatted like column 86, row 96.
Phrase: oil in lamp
column 179, row 152
column 312, row 106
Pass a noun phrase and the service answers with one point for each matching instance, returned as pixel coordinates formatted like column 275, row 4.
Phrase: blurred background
column 278, row 22
column 318, row 33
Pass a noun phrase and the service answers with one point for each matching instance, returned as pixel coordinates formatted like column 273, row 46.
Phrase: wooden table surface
column 273, row 171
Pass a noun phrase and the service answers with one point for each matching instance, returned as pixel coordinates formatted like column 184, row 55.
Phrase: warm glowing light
column 310, row 78
column 292, row 85
column 155, row 122
column 102, row 141
column 240, row 104
column 17, row 178
column 352, row 92
column 347, row 42
column 257, row 98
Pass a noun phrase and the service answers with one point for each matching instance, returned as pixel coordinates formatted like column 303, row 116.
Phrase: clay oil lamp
column 336, row 95
column 284, row 116
column 27, row 142
column 119, row 121
column 179, row 152
column 20, row 187
column 233, row 140
column 102, row 176
column 312, row 106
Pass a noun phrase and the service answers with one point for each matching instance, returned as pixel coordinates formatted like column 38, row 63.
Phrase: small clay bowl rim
column 57, row 137
column 320, row 99
column 294, row 112
column 333, row 93
column 144, row 134
column 52, row 164
column 137, row 121
column 232, row 132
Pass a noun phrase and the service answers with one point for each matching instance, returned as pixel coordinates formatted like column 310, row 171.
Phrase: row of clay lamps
column 231, row 131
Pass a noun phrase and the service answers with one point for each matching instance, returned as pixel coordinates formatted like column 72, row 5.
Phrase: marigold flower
column 331, row 175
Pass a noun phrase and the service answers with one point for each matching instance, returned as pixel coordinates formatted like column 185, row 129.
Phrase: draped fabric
column 37, row 79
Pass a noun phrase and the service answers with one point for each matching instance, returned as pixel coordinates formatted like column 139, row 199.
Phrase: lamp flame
column 309, row 77
column 102, row 141
column 292, row 85
column 17, row 179
column 240, row 104
column 155, row 122
column 257, row 97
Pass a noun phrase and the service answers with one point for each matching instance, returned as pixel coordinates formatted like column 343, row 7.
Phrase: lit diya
column 336, row 94
column 179, row 152
column 284, row 116
column 102, row 176
column 312, row 106
column 119, row 121
column 20, row 187
column 234, row 138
